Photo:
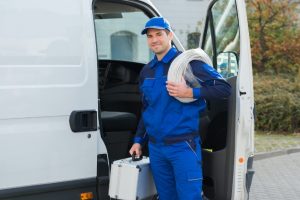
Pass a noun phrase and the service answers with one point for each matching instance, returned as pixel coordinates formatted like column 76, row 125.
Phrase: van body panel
column 47, row 70
column 50, row 67
column 51, row 59
column 44, row 150
column 58, row 191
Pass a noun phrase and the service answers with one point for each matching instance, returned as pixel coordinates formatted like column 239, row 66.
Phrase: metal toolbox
column 131, row 180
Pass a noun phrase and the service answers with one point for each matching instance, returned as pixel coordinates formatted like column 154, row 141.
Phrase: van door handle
column 242, row 93
column 83, row 120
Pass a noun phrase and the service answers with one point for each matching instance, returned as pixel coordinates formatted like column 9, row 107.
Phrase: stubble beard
column 159, row 51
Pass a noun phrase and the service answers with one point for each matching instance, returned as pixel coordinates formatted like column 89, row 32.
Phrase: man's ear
column 170, row 35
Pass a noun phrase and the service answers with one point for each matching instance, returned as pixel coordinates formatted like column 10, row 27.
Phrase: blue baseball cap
column 157, row 23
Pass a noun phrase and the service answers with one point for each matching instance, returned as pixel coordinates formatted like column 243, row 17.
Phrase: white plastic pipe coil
column 180, row 65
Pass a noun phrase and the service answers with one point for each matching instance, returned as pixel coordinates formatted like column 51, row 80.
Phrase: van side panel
column 48, row 68
column 58, row 191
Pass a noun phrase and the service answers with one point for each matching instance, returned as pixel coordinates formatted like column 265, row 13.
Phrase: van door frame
column 243, row 119
column 103, row 168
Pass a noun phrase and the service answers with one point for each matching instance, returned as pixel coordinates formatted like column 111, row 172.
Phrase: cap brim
column 154, row 27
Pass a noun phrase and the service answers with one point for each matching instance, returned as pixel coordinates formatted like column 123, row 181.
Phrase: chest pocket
column 150, row 90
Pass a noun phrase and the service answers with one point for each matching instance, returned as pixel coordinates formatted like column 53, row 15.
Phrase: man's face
column 159, row 41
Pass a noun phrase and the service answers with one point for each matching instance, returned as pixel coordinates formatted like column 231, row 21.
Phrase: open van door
column 228, row 144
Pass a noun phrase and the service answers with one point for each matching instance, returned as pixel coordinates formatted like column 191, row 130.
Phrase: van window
column 226, row 26
column 118, row 33
column 223, row 37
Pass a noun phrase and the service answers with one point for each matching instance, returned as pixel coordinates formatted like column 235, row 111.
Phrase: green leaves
column 275, row 35
column 277, row 103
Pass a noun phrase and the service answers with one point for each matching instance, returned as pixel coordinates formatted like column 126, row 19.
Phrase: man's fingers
column 136, row 148
column 176, row 85
column 172, row 87
column 131, row 151
column 171, row 83
column 137, row 152
column 172, row 93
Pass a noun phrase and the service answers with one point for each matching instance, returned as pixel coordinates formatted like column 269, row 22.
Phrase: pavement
column 276, row 178
column 277, row 168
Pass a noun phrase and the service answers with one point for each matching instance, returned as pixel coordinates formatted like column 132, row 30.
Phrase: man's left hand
column 179, row 89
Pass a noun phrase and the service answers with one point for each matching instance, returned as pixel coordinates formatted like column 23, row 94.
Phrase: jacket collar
column 166, row 59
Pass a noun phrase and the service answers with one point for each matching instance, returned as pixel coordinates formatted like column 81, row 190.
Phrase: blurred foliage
column 277, row 103
column 275, row 44
column 193, row 40
column 275, row 35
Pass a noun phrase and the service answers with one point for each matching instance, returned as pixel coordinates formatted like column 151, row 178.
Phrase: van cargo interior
column 121, row 110
column 120, row 106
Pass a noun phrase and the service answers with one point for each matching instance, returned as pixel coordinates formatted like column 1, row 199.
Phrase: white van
column 69, row 99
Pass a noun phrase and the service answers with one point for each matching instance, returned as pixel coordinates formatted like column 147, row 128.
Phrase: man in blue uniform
column 170, row 126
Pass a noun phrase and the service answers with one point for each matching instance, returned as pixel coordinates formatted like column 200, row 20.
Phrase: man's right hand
column 137, row 148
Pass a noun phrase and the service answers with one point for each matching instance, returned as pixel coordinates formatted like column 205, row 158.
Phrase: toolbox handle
column 135, row 158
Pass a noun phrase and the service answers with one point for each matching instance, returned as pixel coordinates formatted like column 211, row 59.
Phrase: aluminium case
column 130, row 180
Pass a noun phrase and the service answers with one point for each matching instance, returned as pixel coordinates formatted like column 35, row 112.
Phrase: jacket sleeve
column 213, row 85
column 141, row 136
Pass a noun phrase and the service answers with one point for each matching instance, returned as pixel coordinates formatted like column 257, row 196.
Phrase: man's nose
column 154, row 39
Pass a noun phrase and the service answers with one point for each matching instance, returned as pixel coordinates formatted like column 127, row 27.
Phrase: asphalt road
column 277, row 178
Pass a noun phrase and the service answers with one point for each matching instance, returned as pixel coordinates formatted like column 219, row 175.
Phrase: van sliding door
column 47, row 71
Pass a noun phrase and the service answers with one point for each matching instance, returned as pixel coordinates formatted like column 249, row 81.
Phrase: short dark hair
column 167, row 31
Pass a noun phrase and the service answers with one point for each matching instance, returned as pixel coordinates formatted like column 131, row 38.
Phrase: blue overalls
column 172, row 128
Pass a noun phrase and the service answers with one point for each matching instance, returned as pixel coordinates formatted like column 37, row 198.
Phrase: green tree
column 275, row 35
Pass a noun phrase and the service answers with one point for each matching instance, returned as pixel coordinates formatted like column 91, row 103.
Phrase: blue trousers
column 177, row 170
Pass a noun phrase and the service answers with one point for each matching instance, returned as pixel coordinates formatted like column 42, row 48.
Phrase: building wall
column 131, row 24
column 185, row 16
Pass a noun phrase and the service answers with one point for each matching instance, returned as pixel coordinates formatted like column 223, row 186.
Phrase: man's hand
column 137, row 148
column 179, row 89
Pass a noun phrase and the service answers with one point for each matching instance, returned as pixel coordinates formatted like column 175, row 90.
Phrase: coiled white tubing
column 180, row 65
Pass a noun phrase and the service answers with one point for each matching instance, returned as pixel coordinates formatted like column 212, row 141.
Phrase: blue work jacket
column 163, row 115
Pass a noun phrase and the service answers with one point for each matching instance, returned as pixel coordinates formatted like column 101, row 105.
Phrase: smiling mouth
column 155, row 45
